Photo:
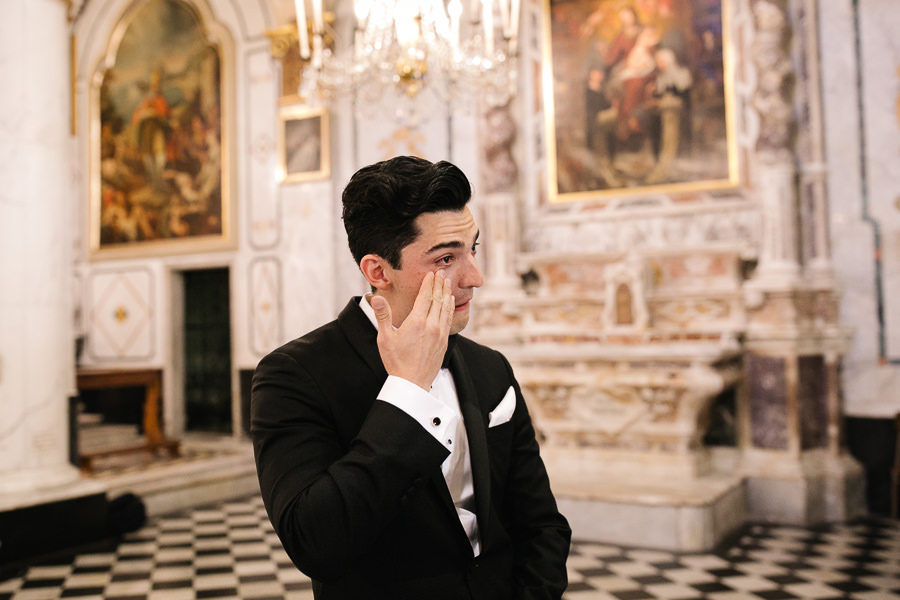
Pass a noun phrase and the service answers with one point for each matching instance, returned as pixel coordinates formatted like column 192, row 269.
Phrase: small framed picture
column 303, row 144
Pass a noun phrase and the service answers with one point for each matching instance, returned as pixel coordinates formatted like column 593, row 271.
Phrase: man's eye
column 475, row 247
column 445, row 260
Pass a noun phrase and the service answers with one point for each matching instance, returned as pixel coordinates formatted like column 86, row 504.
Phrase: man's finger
column 382, row 311
column 448, row 307
column 437, row 291
column 423, row 300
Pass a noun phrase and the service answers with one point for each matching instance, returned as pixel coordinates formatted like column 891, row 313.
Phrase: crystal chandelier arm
column 318, row 31
column 361, row 9
column 514, row 9
column 487, row 16
column 318, row 21
column 454, row 10
column 504, row 18
column 302, row 34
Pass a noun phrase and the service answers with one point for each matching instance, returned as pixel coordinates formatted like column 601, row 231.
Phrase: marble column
column 36, row 344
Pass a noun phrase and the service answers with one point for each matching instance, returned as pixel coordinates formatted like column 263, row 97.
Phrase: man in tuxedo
column 397, row 459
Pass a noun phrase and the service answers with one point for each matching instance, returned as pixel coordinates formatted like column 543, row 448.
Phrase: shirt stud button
column 436, row 421
column 450, row 442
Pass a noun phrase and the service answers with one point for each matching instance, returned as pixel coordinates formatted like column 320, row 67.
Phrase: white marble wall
column 290, row 268
column 145, row 333
column 863, row 151
column 36, row 344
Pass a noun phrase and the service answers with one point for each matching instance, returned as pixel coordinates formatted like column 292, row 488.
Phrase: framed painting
column 303, row 144
column 638, row 98
column 159, row 142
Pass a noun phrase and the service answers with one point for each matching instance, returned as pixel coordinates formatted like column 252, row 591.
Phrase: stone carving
column 626, row 304
column 660, row 229
column 623, row 353
column 695, row 269
column 581, row 314
column 570, row 276
column 812, row 311
column 661, row 295
column 645, row 409
column 775, row 84
column 624, row 299
column 775, row 185
column 490, row 315
column 500, row 170
column 686, row 312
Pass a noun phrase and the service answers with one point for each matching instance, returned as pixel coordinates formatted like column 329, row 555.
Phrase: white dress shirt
column 437, row 411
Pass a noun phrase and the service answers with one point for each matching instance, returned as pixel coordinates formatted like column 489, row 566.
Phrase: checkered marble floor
column 229, row 551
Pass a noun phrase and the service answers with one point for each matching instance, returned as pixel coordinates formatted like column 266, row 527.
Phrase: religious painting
column 638, row 98
column 303, row 144
column 158, row 140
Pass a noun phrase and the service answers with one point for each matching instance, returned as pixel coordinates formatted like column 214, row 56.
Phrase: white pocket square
column 504, row 411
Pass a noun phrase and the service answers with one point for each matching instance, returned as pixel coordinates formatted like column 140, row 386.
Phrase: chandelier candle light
column 404, row 51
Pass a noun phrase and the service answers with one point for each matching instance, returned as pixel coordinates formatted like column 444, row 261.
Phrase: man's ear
column 374, row 269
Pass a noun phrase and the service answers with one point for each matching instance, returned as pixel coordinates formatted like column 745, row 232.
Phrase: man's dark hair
column 382, row 201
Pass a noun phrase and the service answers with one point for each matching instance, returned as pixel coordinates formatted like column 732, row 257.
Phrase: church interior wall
column 864, row 183
column 289, row 268
column 279, row 292
column 859, row 71
column 730, row 298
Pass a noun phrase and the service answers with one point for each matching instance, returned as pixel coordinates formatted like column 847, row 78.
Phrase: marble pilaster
column 814, row 172
column 796, row 470
column 862, row 122
column 36, row 342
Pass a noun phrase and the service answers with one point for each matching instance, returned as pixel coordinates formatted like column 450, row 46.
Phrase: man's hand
column 416, row 349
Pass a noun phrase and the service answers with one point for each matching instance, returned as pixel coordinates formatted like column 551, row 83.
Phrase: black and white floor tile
column 230, row 552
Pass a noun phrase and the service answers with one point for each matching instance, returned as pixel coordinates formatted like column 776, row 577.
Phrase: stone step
column 107, row 437
column 226, row 471
column 86, row 420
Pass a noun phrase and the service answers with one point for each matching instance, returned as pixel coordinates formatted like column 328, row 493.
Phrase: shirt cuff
column 434, row 416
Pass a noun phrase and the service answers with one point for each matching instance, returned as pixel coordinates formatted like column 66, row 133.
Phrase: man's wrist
column 434, row 416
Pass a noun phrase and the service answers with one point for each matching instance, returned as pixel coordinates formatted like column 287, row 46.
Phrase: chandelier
column 401, row 54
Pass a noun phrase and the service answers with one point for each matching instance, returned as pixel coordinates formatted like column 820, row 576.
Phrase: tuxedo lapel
column 477, row 438
column 362, row 336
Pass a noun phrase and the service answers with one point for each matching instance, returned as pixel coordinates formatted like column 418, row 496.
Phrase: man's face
column 446, row 242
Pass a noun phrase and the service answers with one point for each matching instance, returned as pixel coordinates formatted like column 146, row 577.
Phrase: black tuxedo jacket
column 354, row 489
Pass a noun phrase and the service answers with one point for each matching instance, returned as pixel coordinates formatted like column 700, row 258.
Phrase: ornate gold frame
column 219, row 36
column 732, row 179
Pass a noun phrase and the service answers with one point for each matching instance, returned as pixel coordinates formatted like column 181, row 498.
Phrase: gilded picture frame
column 303, row 144
column 638, row 98
column 160, row 135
